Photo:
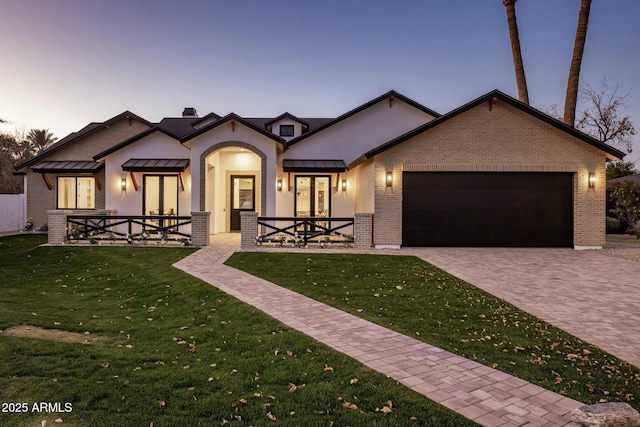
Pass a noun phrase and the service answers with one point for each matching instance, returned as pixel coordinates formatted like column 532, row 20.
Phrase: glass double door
column 160, row 197
column 313, row 197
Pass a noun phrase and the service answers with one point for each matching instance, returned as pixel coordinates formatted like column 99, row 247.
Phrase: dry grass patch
column 30, row 331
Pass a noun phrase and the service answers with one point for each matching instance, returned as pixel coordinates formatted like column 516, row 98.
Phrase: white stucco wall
column 225, row 133
column 157, row 146
column 354, row 136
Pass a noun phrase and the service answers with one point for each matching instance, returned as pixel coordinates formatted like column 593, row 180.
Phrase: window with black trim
column 76, row 192
column 286, row 130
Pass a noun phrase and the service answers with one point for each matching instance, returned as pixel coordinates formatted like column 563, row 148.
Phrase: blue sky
column 69, row 62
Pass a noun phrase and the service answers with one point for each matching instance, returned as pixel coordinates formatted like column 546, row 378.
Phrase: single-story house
column 493, row 172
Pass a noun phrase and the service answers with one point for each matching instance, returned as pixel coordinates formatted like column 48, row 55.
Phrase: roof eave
column 612, row 151
column 230, row 117
column 56, row 147
column 363, row 107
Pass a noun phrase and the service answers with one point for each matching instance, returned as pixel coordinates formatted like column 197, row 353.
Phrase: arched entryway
column 233, row 179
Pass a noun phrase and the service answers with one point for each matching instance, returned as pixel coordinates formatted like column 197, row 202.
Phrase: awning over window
column 156, row 165
column 297, row 165
column 68, row 166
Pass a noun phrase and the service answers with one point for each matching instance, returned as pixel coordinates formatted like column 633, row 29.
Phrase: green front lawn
column 417, row 299
column 169, row 349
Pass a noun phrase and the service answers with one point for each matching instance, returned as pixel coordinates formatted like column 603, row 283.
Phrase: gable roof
column 228, row 118
column 391, row 94
column 74, row 136
column 497, row 95
column 133, row 139
column 285, row 115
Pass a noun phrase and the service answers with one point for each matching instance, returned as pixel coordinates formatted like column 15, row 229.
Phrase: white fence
column 13, row 213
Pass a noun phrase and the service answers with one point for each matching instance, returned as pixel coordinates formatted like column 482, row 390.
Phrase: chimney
column 189, row 112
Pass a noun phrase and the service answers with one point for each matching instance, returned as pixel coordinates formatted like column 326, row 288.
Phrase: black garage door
column 492, row 209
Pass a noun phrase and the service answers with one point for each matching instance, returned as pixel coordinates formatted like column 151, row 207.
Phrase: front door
column 243, row 198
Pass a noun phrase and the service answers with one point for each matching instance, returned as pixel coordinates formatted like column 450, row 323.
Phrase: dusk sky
column 70, row 62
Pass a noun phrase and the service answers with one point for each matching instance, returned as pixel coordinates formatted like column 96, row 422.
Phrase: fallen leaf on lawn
column 292, row 388
column 182, row 342
column 105, row 364
column 353, row 381
column 265, row 406
column 210, row 379
column 319, row 412
column 58, row 420
column 186, row 367
column 243, row 401
column 350, row 405
column 271, row 416
column 399, row 287
column 191, row 388
column 162, row 403
column 360, row 310
column 558, row 377
column 386, row 410
column 328, row 368
column 272, row 397
column 413, row 419
column 292, row 413
column 257, row 394
column 289, row 353
column 585, row 351
column 389, row 403
column 519, row 348
column 572, row 356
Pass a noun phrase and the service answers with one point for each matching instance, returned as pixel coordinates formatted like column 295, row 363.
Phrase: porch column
column 200, row 228
column 248, row 229
column 363, row 230
column 57, row 227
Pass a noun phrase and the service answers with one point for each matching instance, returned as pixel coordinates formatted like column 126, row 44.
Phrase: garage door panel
column 487, row 209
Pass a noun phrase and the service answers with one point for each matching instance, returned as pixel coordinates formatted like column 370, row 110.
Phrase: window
column 286, row 130
column 76, row 193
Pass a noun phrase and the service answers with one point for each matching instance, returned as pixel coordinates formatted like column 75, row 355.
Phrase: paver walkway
column 485, row 395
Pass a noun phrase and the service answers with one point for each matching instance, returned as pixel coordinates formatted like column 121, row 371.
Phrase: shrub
column 626, row 199
column 614, row 225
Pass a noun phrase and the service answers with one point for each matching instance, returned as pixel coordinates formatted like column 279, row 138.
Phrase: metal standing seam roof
column 301, row 165
column 68, row 166
column 155, row 165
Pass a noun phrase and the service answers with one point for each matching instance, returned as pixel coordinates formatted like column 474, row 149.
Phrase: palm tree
column 521, row 81
column 39, row 139
column 573, row 83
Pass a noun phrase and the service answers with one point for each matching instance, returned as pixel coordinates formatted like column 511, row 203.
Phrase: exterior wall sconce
column 344, row 185
column 592, row 180
column 389, row 179
column 279, row 185
column 123, row 184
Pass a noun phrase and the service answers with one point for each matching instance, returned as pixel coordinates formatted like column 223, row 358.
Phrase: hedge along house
column 494, row 172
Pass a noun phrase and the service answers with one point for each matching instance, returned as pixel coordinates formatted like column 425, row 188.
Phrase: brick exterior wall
column 503, row 139
column 40, row 199
column 363, row 229
column 200, row 228
column 57, row 220
column 249, row 229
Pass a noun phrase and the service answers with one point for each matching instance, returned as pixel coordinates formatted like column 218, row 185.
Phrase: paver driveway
column 592, row 296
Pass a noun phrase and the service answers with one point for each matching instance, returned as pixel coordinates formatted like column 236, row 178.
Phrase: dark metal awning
column 68, row 166
column 297, row 165
column 156, row 165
